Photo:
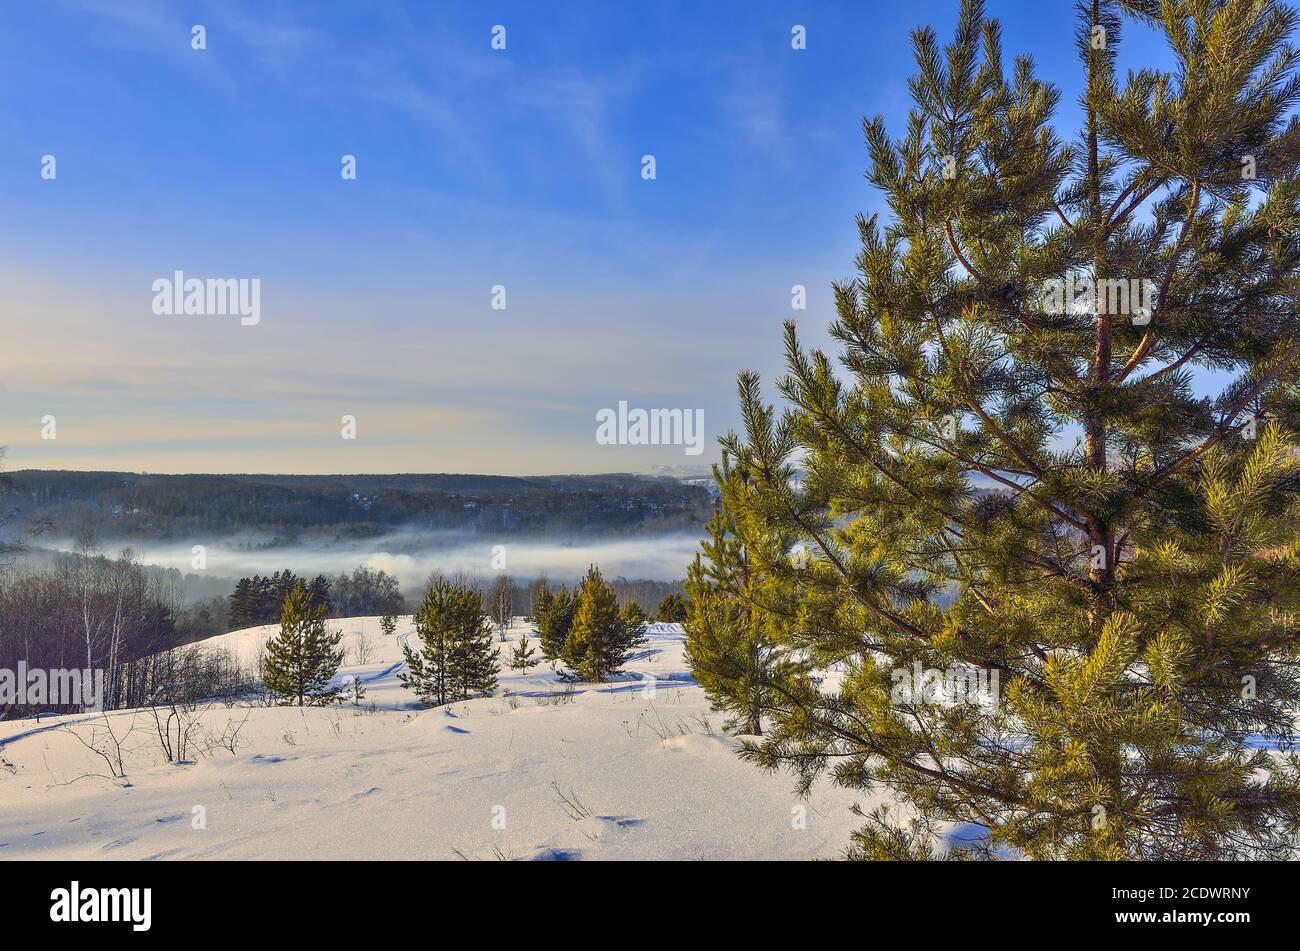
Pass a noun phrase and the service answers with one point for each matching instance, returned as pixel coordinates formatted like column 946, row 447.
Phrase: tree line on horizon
column 290, row 511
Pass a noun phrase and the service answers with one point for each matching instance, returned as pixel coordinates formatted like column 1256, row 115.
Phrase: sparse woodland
column 90, row 612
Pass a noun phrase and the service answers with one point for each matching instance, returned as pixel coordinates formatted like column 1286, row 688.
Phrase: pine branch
column 1148, row 338
column 1113, row 224
column 1225, row 426
column 956, row 252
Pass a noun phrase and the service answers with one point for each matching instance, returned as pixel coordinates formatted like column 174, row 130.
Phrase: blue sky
column 475, row 167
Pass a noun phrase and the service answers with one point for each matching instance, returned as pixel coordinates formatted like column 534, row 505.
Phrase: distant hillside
column 287, row 508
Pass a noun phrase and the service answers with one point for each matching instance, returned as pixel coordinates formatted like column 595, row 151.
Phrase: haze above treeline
column 410, row 525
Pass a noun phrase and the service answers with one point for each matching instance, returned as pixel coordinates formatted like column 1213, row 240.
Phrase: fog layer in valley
column 658, row 558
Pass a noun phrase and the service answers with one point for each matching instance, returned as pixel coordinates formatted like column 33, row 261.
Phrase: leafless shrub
column 363, row 649
column 559, row 699
column 663, row 730
column 196, row 673
column 177, row 726
column 500, row 603
column 103, row 743
column 573, row 807
column 228, row 739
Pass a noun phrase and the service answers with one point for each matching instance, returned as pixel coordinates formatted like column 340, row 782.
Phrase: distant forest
column 291, row 508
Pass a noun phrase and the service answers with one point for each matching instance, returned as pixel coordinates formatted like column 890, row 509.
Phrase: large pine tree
column 457, row 658
column 1030, row 489
column 304, row 657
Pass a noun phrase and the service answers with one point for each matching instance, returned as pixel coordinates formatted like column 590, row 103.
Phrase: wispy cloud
column 156, row 28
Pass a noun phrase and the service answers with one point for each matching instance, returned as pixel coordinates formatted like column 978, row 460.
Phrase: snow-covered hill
column 636, row 769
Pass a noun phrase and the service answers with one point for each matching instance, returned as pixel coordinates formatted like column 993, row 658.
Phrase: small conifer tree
column 554, row 616
column 303, row 658
column 633, row 613
column 522, row 657
column 388, row 624
column 600, row 639
column 457, row 658
column 672, row 609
